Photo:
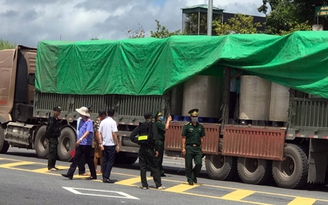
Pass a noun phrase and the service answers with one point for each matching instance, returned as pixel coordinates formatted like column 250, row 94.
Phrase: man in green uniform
column 161, row 135
column 52, row 134
column 193, row 134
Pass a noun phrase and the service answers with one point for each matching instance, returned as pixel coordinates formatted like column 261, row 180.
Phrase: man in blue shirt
column 83, row 144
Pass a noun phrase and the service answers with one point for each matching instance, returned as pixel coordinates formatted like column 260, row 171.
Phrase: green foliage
column 139, row 33
column 6, row 45
column 240, row 23
column 162, row 31
column 287, row 16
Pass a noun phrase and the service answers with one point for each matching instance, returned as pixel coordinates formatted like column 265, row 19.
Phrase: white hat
column 83, row 111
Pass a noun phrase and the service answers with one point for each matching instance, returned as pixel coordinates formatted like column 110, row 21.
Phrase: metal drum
column 254, row 98
column 279, row 103
column 204, row 93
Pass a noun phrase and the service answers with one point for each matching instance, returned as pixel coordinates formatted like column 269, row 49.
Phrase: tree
column 240, row 23
column 287, row 16
column 162, row 31
column 139, row 33
column 6, row 45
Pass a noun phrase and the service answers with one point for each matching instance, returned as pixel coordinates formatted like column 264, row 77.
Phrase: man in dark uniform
column 193, row 134
column 52, row 134
column 147, row 137
column 161, row 134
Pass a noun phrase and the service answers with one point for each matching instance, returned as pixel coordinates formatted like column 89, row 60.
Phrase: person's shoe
column 91, row 178
column 67, row 176
column 190, row 182
column 161, row 188
column 52, row 169
column 108, row 181
column 163, row 175
column 144, row 187
column 56, row 168
column 195, row 180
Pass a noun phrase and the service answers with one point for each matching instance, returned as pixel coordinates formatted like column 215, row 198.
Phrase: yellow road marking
column 217, row 197
column 181, row 188
column 45, row 170
column 15, row 164
column 130, row 182
column 302, row 201
column 238, row 194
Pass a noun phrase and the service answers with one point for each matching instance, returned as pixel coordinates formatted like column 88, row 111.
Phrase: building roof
column 201, row 8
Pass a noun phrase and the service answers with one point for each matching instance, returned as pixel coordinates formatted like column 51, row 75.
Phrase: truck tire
column 221, row 167
column 40, row 146
column 131, row 160
column 66, row 143
column 121, row 158
column 4, row 146
column 292, row 172
column 254, row 171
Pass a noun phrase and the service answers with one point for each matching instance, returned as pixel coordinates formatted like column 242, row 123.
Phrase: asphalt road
column 24, row 179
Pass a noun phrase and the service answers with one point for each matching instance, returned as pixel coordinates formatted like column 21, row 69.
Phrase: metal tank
column 254, row 98
column 204, row 93
column 279, row 103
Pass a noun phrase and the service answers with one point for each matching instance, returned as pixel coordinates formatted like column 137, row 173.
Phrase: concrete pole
column 209, row 17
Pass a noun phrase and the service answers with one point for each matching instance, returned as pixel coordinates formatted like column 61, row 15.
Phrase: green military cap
column 159, row 113
column 193, row 112
column 57, row 108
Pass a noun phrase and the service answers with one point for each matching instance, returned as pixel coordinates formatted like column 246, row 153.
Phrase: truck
column 278, row 127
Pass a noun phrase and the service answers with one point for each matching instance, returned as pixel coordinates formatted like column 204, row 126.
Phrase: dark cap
column 89, row 107
column 148, row 115
column 193, row 112
column 159, row 113
column 101, row 113
column 57, row 108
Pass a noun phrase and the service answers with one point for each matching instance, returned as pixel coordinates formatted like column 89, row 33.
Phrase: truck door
column 7, row 83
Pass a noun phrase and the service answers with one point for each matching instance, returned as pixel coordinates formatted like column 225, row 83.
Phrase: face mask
column 161, row 118
column 194, row 119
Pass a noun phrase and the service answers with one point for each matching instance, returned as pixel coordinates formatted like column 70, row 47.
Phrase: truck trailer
column 279, row 125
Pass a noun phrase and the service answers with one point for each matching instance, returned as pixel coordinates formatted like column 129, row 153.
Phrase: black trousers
column 52, row 157
column 147, row 159
column 159, row 159
column 82, row 162
column 108, row 160
column 83, row 150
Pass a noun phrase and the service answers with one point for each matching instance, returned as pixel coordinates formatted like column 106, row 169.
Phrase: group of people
column 99, row 141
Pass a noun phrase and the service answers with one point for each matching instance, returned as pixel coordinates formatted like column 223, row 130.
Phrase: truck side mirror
column 31, row 79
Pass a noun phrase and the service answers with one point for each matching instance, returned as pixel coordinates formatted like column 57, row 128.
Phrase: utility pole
column 209, row 17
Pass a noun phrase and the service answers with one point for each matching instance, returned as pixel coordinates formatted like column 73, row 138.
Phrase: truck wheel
column 121, row 158
column 4, row 146
column 221, row 167
column 40, row 145
column 131, row 160
column 254, row 171
column 292, row 172
column 66, row 143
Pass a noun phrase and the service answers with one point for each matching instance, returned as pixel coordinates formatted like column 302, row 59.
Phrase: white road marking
column 102, row 193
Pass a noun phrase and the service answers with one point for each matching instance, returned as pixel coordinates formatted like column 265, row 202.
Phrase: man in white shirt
column 108, row 142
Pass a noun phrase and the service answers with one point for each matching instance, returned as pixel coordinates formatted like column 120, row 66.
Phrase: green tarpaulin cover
column 150, row 66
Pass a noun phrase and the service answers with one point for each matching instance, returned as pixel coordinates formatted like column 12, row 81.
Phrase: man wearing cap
column 108, row 142
column 52, row 134
column 193, row 134
column 147, row 137
column 161, row 128
column 83, row 144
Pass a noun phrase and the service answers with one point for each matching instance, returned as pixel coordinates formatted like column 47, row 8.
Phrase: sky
column 27, row 22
